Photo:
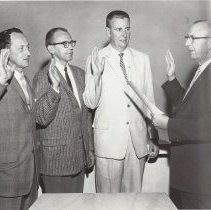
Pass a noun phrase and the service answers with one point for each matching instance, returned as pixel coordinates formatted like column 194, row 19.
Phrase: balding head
column 198, row 41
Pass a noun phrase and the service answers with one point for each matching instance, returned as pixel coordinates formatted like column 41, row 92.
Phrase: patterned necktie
column 68, row 79
column 25, row 89
column 122, row 65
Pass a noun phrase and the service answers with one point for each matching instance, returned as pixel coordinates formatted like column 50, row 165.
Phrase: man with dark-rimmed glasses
column 66, row 144
column 189, row 129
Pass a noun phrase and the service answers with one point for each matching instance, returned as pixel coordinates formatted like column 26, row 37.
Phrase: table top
column 103, row 201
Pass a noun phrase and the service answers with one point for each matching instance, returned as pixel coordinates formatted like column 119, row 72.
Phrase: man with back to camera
column 189, row 130
column 18, row 185
column 66, row 150
column 120, row 130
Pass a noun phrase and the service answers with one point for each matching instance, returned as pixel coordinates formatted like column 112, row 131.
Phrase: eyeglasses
column 66, row 44
column 192, row 38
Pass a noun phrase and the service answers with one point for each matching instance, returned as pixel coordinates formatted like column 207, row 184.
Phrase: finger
column 93, row 55
column 12, row 68
column 6, row 58
column 171, row 57
column 103, row 61
column 52, row 64
column 167, row 60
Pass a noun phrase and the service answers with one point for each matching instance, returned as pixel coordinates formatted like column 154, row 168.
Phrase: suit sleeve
column 2, row 90
column 148, row 86
column 90, row 130
column 195, row 127
column 47, row 100
column 185, row 130
column 91, row 93
column 174, row 91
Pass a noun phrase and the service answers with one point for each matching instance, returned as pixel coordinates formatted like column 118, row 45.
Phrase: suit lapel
column 64, row 84
column 116, row 71
column 30, row 92
column 16, row 86
column 194, row 87
column 79, row 83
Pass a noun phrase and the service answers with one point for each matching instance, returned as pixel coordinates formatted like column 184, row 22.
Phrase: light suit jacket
column 117, row 117
column 17, row 134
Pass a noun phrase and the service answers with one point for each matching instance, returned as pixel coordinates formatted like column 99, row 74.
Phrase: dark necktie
column 68, row 79
column 122, row 65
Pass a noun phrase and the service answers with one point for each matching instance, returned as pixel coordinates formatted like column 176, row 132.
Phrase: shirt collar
column 18, row 75
column 204, row 65
column 114, row 52
column 60, row 67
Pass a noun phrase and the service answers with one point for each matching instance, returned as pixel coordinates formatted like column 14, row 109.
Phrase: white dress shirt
column 22, row 81
column 60, row 67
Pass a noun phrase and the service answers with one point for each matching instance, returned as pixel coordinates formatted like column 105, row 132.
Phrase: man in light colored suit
column 189, row 129
column 18, row 183
column 120, row 130
column 66, row 149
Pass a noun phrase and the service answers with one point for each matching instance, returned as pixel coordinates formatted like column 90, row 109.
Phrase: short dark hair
column 5, row 37
column 116, row 14
column 50, row 34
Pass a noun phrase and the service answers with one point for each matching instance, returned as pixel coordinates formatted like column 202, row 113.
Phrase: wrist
column 172, row 77
column 56, row 88
column 3, row 82
column 97, row 79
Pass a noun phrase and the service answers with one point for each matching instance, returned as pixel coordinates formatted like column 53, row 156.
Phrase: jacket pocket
column 52, row 142
column 5, row 157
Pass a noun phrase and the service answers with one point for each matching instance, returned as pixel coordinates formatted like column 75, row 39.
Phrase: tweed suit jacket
column 190, row 133
column 65, row 128
column 117, row 117
column 17, row 134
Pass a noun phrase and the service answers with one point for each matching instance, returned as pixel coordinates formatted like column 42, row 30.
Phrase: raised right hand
column 170, row 71
column 97, row 65
column 6, row 72
column 54, row 76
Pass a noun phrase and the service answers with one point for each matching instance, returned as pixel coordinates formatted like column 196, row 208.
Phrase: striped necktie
column 25, row 89
column 122, row 65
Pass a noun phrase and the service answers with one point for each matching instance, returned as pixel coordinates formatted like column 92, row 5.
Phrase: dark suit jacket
column 65, row 129
column 17, row 134
column 190, row 133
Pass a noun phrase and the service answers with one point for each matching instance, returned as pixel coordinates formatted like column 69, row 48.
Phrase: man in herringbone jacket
column 66, row 149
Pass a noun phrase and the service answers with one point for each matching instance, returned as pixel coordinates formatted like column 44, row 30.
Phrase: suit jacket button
column 128, row 105
column 127, row 123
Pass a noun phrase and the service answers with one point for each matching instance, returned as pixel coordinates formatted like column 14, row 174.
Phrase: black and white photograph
column 105, row 105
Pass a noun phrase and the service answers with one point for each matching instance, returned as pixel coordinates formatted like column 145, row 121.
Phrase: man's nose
column 124, row 33
column 188, row 42
column 27, row 52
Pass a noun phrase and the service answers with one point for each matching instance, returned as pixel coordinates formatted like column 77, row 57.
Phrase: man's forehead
column 62, row 36
column 119, row 20
column 18, row 39
column 199, row 28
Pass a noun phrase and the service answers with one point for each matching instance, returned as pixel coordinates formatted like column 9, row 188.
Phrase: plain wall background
column 155, row 27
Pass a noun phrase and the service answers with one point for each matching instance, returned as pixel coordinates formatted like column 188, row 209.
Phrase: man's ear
column 108, row 31
column 50, row 49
